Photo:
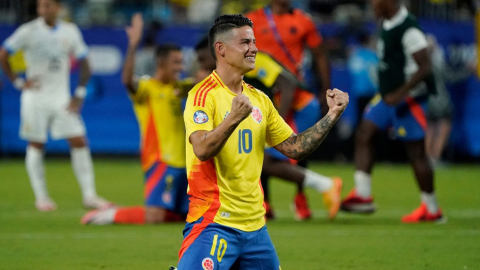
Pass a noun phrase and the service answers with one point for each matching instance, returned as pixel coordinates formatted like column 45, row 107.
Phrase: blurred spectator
column 145, row 63
column 362, row 66
column 440, row 107
column 203, row 11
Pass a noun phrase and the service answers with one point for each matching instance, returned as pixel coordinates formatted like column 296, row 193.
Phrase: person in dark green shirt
column 405, row 82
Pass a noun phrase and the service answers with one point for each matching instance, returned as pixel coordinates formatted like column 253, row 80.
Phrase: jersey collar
column 397, row 19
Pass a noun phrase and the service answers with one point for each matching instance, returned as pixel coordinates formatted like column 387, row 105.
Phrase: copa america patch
column 200, row 117
column 257, row 114
column 207, row 264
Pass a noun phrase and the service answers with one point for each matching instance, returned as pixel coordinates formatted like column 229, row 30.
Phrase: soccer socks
column 83, row 169
column 130, row 215
column 36, row 172
column 431, row 201
column 317, row 181
column 363, row 184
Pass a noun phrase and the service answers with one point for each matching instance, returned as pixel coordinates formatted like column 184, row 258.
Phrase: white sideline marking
column 40, row 236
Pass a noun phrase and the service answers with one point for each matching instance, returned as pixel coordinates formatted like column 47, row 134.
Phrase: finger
column 330, row 93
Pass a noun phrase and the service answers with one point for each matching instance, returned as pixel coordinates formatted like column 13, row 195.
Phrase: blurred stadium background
column 185, row 22
column 34, row 240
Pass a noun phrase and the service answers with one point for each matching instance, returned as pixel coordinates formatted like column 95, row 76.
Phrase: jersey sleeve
column 18, row 40
column 414, row 40
column 141, row 95
column 277, row 129
column 312, row 38
column 266, row 70
column 199, row 112
column 79, row 49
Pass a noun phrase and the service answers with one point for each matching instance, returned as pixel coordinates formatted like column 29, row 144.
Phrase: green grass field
column 34, row 240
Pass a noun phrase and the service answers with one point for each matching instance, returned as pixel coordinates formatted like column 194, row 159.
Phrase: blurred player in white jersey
column 46, row 104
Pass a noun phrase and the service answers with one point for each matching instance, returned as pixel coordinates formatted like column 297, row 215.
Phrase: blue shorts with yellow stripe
column 212, row 246
column 408, row 118
column 166, row 187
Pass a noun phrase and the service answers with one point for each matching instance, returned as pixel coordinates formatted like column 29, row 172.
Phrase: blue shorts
column 299, row 121
column 408, row 118
column 166, row 187
column 212, row 246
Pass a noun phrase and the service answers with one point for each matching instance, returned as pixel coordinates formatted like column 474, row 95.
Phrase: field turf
column 56, row 240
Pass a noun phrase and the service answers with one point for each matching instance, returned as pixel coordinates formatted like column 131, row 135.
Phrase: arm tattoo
column 301, row 145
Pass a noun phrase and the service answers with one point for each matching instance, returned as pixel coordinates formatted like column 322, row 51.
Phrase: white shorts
column 39, row 119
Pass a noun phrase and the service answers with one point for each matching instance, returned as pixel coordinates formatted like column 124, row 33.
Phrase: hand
column 395, row 97
column 75, row 105
column 135, row 31
column 337, row 101
column 31, row 84
column 241, row 108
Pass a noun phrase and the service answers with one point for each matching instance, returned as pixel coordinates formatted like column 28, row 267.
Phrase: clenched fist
column 337, row 101
column 241, row 108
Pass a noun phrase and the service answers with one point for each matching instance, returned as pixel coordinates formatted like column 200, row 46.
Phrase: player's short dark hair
column 223, row 24
column 163, row 51
column 202, row 44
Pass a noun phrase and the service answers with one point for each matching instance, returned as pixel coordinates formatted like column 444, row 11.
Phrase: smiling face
column 172, row 65
column 238, row 49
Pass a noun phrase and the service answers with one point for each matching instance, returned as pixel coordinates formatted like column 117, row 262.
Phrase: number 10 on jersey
column 244, row 141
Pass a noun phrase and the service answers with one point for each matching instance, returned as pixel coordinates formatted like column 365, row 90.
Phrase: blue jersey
column 362, row 66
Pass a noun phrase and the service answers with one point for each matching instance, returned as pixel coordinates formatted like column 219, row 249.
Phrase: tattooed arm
column 299, row 146
column 207, row 144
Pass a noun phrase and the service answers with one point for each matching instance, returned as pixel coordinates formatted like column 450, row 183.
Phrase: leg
column 364, row 146
column 421, row 167
column 83, row 168
column 443, row 133
column 210, row 245
column 258, row 252
column 36, row 173
column 429, row 209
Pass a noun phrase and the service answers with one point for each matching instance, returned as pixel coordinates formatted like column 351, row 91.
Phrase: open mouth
column 250, row 58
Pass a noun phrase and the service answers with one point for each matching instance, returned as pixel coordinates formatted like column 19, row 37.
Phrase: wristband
column 19, row 83
column 80, row 92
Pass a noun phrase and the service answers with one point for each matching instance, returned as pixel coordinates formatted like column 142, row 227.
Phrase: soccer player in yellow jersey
column 279, row 84
column 157, row 105
column 228, row 123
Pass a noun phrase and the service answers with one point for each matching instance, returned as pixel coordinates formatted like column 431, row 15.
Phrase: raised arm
column 134, row 33
column 207, row 144
column 298, row 146
column 323, row 69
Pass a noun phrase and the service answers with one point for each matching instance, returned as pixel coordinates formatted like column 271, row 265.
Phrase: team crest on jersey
column 257, row 114
column 200, row 117
column 207, row 264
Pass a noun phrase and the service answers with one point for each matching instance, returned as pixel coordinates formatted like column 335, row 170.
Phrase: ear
column 220, row 48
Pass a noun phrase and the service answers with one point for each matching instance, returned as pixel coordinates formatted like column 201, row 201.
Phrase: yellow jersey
column 159, row 113
column 226, row 189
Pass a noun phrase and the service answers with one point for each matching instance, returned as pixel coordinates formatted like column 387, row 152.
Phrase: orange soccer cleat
column 331, row 198
column 421, row 214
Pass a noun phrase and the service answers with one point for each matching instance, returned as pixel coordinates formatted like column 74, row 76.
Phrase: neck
column 392, row 12
column 162, row 77
column 279, row 9
column 50, row 23
column 231, row 77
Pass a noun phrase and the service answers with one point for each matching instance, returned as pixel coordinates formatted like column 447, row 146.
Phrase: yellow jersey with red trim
column 158, row 110
column 226, row 189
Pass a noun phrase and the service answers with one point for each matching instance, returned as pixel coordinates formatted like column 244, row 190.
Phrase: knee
column 77, row 142
column 363, row 137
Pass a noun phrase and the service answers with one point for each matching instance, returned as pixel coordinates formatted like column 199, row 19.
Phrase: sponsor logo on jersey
column 200, row 117
column 207, row 264
column 257, row 114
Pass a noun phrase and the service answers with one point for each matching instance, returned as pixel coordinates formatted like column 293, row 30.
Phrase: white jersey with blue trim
column 48, row 52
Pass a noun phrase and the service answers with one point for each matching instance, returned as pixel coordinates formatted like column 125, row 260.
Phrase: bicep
column 422, row 59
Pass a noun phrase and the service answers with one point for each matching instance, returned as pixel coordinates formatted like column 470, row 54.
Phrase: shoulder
column 206, row 88
column 254, row 14
column 300, row 14
column 69, row 26
column 29, row 26
column 257, row 92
